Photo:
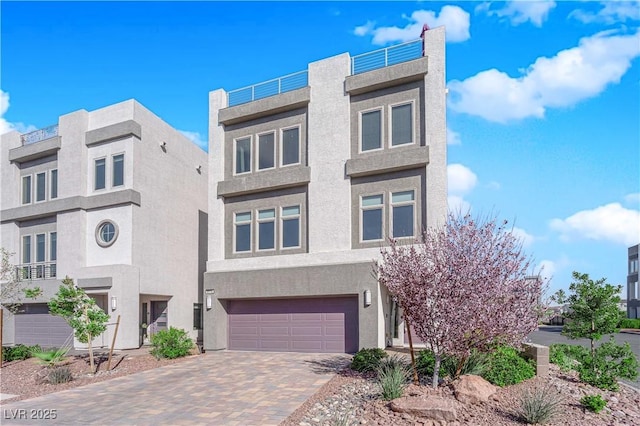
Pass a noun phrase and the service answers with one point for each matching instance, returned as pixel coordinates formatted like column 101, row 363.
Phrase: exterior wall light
column 114, row 303
column 367, row 298
column 209, row 298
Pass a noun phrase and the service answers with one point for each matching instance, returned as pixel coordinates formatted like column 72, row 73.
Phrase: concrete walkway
column 218, row 388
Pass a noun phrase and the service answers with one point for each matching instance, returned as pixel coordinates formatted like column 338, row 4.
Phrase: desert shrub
column 538, row 405
column 51, row 356
column 609, row 363
column 367, row 359
column 567, row 357
column 171, row 343
column 593, row 403
column 58, row 375
column 476, row 363
column 393, row 376
column 17, row 352
column 629, row 323
column 507, row 367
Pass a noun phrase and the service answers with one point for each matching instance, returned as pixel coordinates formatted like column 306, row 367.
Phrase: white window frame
column 258, row 149
column 400, row 204
column 290, row 217
column 374, row 207
column 382, row 127
column 633, row 266
column 113, row 170
column 95, row 174
column 51, row 179
column 250, row 223
column 36, row 187
column 235, row 154
column 390, row 123
column 22, row 187
column 266, row 220
column 281, row 146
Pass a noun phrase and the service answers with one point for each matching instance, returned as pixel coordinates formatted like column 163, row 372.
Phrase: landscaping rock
column 470, row 389
column 433, row 408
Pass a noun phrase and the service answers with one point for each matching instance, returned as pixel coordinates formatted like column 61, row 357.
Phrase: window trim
column 297, row 216
column 376, row 207
column 281, row 146
column 382, row 129
column 413, row 123
column 235, row 155
column 44, row 190
column 113, row 169
column 275, row 145
column 95, row 173
column 51, row 186
column 30, row 189
column 235, row 224
column 267, row 220
column 98, row 234
column 413, row 203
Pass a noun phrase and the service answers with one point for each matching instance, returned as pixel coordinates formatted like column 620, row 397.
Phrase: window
column 401, row 125
column 371, row 130
column 402, row 207
column 53, row 253
column 106, row 233
column 100, row 174
column 118, row 170
column 266, row 151
column 633, row 266
column 243, row 232
column 40, row 253
column 243, row 155
column 54, row 184
column 371, row 207
column 291, row 226
column 41, row 184
column 266, row 229
column 26, row 249
column 26, row 189
column 290, row 146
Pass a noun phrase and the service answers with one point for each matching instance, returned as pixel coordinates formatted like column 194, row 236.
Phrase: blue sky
column 543, row 107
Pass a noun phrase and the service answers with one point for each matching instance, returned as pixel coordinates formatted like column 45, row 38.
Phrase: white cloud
column 569, row 77
column 453, row 138
column 458, row 205
column 633, row 199
column 454, row 18
column 196, row 138
column 546, row 269
column 522, row 235
column 611, row 12
column 6, row 126
column 460, row 178
column 519, row 12
column 610, row 222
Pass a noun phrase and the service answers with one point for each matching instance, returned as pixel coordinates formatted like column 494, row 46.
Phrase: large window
column 290, row 146
column 371, row 217
column 26, row 189
column 371, row 130
column 401, row 124
column 26, row 249
column 266, row 151
column 243, row 155
column 266, row 229
column 403, row 206
column 291, row 227
column 100, row 173
column 53, row 253
column 118, row 170
column 41, row 186
column 633, row 266
column 242, row 232
column 54, row 184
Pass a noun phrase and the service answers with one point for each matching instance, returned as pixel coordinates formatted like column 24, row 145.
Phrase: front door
column 158, row 316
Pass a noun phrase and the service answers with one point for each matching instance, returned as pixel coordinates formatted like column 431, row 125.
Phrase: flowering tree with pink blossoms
column 463, row 286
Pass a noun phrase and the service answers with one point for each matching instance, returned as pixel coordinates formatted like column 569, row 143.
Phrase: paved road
column 546, row 335
column 221, row 388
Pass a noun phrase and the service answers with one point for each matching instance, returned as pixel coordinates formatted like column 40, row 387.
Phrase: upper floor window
column 290, row 149
column 290, row 227
column 269, row 223
column 118, row 170
column 243, row 155
column 371, row 130
column 26, row 189
column 114, row 170
column 26, row 249
column 106, row 233
column 242, row 231
column 53, row 179
column 266, row 229
column 401, row 124
column 402, row 214
column 266, row 151
column 53, row 246
column 633, row 266
column 371, row 217
column 100, row 173
column 37, row 261
column 41, row 186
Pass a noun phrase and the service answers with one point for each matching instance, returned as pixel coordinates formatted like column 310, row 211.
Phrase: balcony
column 268, row 88
column 36, row 271
column 38, row 144
column 388, row 56
column 39, row 135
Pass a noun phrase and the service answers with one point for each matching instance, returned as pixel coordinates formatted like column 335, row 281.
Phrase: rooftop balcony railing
column 387, row 56
column 36, row 271
column 268, row 88
column 39, row 135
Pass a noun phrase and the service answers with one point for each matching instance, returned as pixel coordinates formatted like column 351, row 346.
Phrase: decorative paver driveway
column 218, row 388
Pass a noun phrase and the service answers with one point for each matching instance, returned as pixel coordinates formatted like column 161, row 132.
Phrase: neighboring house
column 633, row 291
column 307, row 185
column 116, row 199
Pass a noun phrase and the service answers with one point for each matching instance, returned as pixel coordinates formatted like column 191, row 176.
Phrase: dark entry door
column 159, row 315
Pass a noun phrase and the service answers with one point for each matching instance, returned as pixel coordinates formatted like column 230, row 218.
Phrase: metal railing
column 36, row 271
column 268, row 88
column 388, row 56
column 39, row 135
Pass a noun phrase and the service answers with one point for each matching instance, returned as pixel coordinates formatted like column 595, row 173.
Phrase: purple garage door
column 294, row 325
column 34, row 325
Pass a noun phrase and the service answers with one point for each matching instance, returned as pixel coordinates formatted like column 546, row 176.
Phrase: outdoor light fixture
column 114, row 303
column 163, row 145
column 199, row 169
column 367, row 298
column 209, row 301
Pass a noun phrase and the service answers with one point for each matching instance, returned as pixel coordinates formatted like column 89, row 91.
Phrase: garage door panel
column 307, row 346
column 314, row 331
column 40, row 328
column 309, row 316
column 275, row 317
column 245, row 331
column 274, row 331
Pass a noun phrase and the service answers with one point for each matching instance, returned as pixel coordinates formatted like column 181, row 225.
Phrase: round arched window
column 106, row 233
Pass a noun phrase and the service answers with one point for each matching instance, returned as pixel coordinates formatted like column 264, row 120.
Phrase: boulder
column 470, row 389
column 433, row 407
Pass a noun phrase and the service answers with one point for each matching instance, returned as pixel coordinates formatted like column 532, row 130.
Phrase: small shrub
column 367, row 359
column 567, row 357
column 593, row 403
column 538, row 405
column 171, row 343
column 476, row 363
column 51, row 356
column 507, row 367
column 427, row 360
column 58, row 375
column 18, row 352
column 630, row 323
column 609, row 363
column 393, row 376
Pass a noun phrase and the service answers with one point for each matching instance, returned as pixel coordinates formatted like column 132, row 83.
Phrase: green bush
column 567, row 357
column 18, row 352
column 507, row 367
column 51, row 356
column 593, row 403
column 609, row 363
column 476, row 363
column 538, row 405
column 630, row 323
column 59, row 375
column 367, row 359
column 393, row 376
column 171, row 343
